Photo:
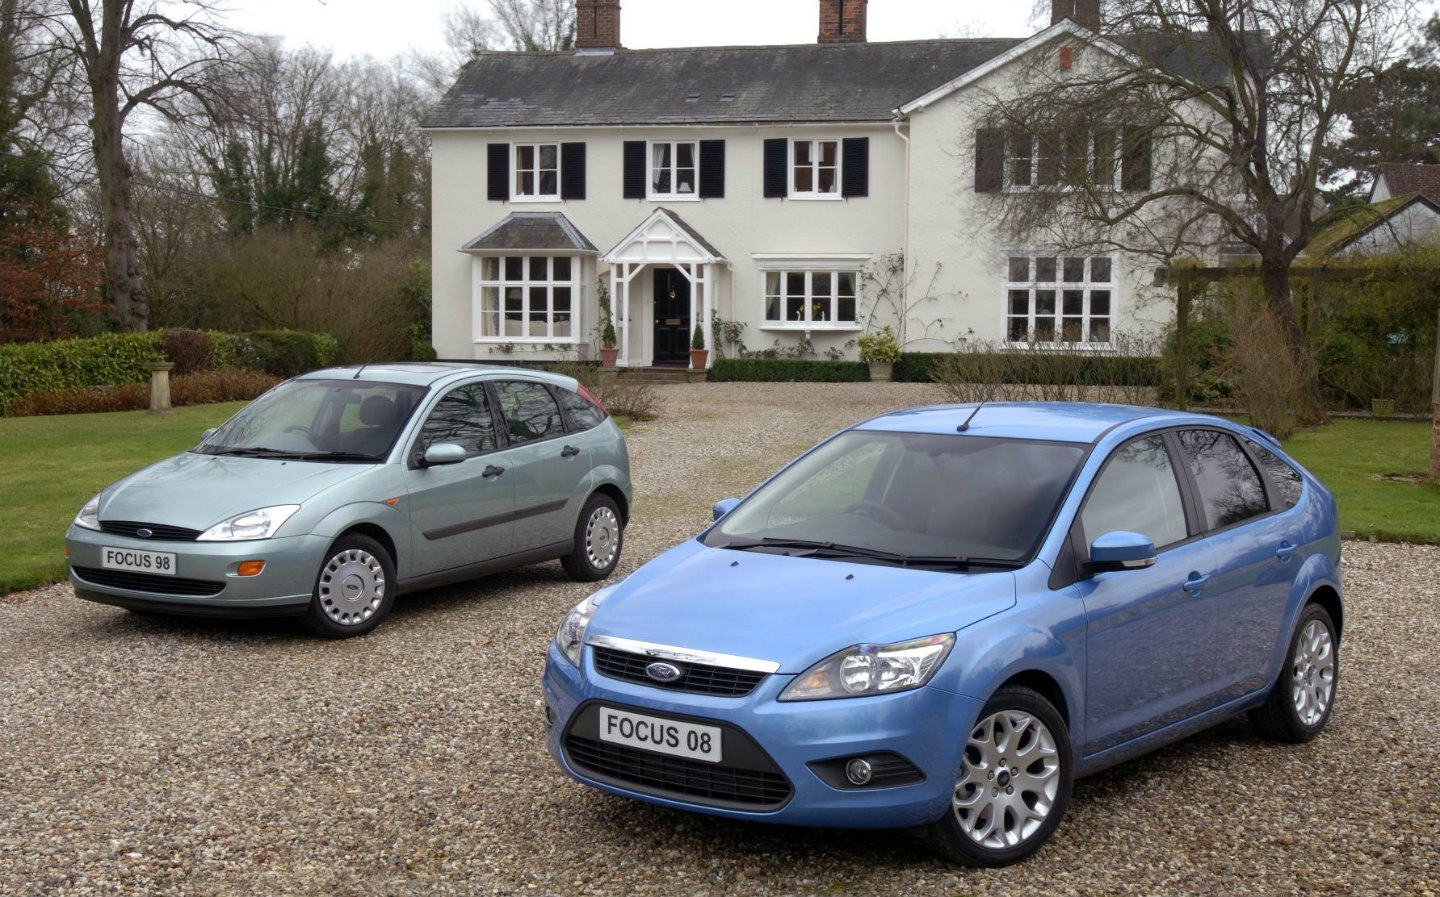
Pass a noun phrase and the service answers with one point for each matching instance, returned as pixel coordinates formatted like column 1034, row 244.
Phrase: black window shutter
column 855, row 166
column 1135, row 163
column 712, row 169
column 572, row 171
column 989, row 160
column 499, row 179
column 775, row 180
column 634, row 179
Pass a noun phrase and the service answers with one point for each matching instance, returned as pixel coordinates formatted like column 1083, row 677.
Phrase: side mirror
column 208, row 433
column 724, row 506
column 443, row 453
column 1120, row 550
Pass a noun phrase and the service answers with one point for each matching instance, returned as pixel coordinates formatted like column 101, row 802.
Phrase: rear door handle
column 1196, row 582
column 492, row 471
column 569, row 451
column 1285, row 551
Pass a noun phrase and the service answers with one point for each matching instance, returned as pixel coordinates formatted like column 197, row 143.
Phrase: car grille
column 677, row 776
column 148, row 582
column 696, row 678
column 159, row 532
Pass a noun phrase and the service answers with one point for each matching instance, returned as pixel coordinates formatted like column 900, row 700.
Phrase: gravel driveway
column 145, row 755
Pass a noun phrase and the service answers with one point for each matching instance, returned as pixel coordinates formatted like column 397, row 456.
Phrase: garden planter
column 698, row 357
column 1382, row 407
column 880, row 371
column 608, row 354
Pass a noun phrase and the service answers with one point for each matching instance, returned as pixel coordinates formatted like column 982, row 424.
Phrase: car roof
column 430, row 373
column 1081, row 422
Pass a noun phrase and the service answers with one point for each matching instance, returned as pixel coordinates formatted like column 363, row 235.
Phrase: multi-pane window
column 537, row 170
column 528, row 297
column 1054, row 158
column 815, row 168
column 1059, row 299
column 824, row 298
column 673, row 168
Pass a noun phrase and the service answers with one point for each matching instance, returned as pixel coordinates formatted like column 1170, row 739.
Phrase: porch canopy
column 663, row 239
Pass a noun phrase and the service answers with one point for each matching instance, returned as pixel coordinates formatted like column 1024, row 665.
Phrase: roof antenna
column 983, row 402
column 362, row 370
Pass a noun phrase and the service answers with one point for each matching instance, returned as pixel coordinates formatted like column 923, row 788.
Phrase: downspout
column 905, row 248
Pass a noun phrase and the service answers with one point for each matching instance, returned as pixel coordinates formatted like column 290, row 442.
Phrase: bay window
column 528, row 298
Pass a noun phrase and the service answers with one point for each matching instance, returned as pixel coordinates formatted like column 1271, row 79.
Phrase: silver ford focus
column 337, row 490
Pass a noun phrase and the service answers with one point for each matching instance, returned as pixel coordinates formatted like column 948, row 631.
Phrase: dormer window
column 674, row 169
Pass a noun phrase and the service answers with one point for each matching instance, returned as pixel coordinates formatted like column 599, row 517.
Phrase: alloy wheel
column 1009, row 780
column 1312, row 670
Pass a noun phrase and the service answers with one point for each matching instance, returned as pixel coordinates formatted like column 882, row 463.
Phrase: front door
column 672, row 317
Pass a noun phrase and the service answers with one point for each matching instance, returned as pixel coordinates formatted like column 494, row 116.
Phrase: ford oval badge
column 144, row 532
column 663, row 672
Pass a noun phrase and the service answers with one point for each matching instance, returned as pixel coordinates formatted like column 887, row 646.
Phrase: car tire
column 354, row 588
column 599, row 537
column 986, row 825
column 1303, row 695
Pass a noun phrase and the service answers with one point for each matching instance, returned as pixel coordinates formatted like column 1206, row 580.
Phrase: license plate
column 663, row 736
column 162, row 562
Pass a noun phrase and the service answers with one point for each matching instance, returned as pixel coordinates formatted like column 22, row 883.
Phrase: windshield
column 318, row 420
column 914, row 499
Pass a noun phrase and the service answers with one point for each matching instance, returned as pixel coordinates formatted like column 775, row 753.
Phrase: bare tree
column 128, row 58
column 1192, row 122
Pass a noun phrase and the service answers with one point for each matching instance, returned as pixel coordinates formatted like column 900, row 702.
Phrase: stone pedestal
column 160, row 386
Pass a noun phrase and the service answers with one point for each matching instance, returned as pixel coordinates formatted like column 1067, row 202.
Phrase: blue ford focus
column 942, row 616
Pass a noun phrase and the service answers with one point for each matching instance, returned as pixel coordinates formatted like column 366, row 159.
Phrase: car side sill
column 1143, row 744
column 494, row 565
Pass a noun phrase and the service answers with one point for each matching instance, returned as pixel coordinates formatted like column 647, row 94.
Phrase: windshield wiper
column 251, row 452
column 334, row 456
column 815, row 548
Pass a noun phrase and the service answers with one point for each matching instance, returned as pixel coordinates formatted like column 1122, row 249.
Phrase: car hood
column 791, row 610
column 198, row 491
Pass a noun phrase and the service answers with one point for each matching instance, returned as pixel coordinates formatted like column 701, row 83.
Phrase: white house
column 756, row 185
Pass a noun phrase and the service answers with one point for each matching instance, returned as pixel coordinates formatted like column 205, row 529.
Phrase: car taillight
column 589, row 397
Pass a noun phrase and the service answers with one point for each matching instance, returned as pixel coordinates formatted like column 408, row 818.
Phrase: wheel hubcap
column 1008, row 780
column 352, row 587
column 1312, row 684
column 602, row 537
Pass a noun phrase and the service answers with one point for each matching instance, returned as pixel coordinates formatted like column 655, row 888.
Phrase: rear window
column 1286, row 479
column 584, row 413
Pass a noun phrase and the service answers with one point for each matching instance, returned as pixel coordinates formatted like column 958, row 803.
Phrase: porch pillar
column 615, row 320
column 707, row 309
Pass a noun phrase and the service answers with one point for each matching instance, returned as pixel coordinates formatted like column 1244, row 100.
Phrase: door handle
column 492, row 471
column 1196, row 582
column 569, row 451
column 1285, row 551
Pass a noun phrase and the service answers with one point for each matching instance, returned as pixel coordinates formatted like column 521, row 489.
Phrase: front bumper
column 926, row 726
column 205, row 582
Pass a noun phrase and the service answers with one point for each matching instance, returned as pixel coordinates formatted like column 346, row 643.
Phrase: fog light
column 249, row 568
column 858, row 771
column 549, row 717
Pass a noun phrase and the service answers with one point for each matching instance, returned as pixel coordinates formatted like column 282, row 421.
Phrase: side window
column 1230, row 487
column 583, row 412
column 462, row 417
column 530, row 412
column 1287, row 480
column 1137, row 492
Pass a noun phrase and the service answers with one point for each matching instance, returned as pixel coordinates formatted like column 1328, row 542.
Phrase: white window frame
column 1010, row 185
column 576, row 284
column 673, row 196
column 515, row 194
column 1087, row 285
column 852, row 265
column 815, row 166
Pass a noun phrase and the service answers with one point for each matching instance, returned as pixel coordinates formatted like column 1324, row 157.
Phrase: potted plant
column 880, row 351
column 698, row 352
column 608, row 352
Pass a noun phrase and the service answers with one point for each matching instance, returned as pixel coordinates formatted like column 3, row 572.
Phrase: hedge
column 781, row 370
column 114, row 359
column 1116, row 370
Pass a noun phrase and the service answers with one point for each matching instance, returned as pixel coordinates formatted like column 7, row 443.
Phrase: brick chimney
column 842, row 21
column 597, row 24
column 1085, row 13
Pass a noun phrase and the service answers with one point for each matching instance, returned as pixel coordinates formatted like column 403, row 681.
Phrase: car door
column 549, row 466
column 1253, row 554
column 461, row 513
column 1149, row 631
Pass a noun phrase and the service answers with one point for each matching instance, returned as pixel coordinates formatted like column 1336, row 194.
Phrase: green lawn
column 52, row 465
column 1355, row 457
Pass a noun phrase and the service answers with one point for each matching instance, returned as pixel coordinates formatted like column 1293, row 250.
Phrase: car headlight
column 871, row 670
column 89, row 516
column 570, row 637
column 258, row 524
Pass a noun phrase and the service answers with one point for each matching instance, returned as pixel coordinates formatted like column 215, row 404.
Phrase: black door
column 672, row 317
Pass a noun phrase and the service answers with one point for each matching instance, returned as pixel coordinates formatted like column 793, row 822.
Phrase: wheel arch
column 617, row 495
column 1327, row 597
column 374, row 531
column 1047, row 686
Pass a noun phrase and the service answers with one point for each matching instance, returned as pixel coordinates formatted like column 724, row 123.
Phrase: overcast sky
column 385, row 28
